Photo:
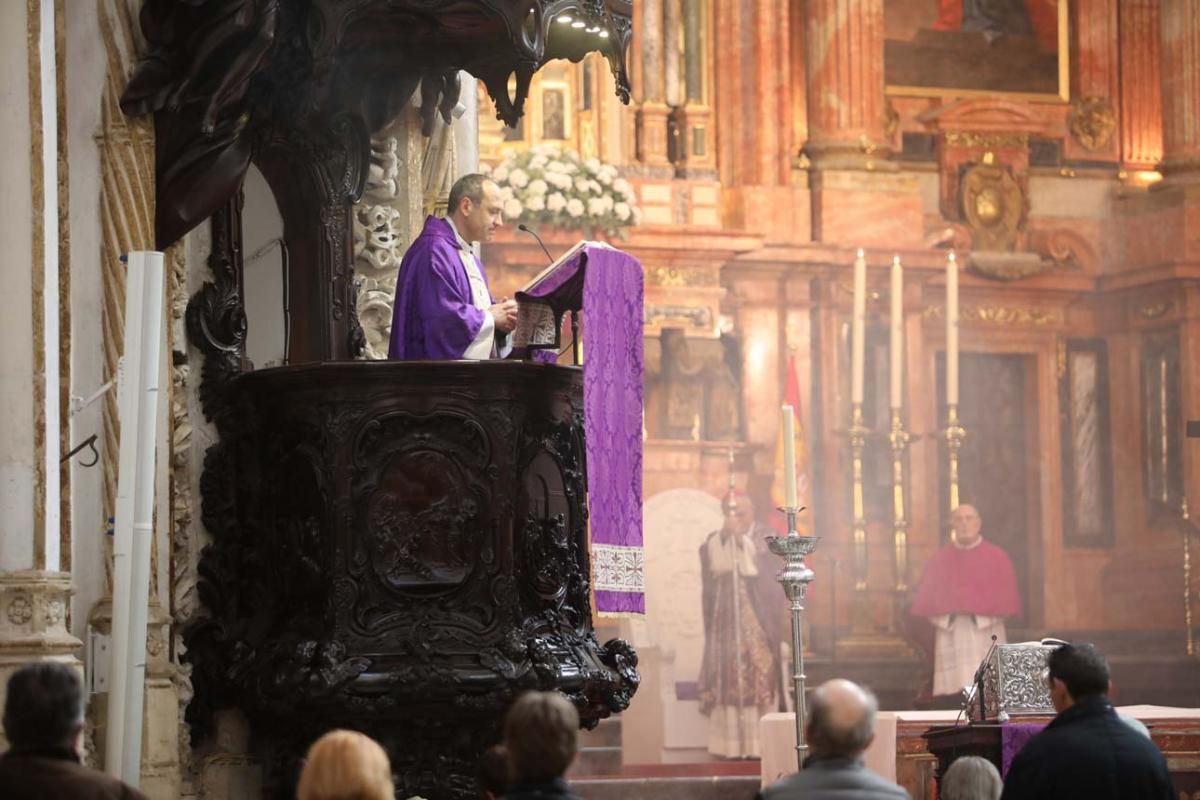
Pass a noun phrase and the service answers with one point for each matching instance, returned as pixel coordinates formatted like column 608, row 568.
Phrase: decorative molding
column 989, row 140
column 994, row 206
column 697, row 317
column 1000, row 315
column 1155, row 310
column 34, row 624
column 1093, row 122
column 703, row 276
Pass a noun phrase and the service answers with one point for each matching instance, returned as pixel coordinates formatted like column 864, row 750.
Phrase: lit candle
column 951, row 330
column 858, row 330
column 789, row 457
column 897, row 334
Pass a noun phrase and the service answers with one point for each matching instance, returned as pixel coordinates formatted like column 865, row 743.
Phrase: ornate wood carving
column 400, row 548
column 217, row 74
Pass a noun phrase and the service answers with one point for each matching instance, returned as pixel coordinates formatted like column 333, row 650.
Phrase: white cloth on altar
column 960, row 642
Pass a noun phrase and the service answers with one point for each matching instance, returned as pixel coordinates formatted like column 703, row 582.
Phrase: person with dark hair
column 43, row 721
column 444, row 309
column 493, row 773
column 1086, row 751
column 541, row 734
column 841, row 725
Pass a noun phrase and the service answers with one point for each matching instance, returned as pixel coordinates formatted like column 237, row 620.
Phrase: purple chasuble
column 434, row 317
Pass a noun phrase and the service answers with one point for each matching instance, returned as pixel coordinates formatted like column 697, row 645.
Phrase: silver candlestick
column 795, row 578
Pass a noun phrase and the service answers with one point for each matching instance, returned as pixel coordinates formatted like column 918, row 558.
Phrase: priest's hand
column 505, row 315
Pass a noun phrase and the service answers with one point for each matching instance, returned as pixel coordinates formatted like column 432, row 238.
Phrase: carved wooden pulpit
column 398, row 548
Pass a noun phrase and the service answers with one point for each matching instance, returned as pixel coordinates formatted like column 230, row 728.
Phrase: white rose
column 537, row 188
column 518, row 178
column 595, row 206
column 561, row 181
column 595, row 186
column 513, row 208
column 582, row 185
column 538, row 162
column 570, row 168
column 593, row 164
column 535, row 203
column 622, row 211
column 604, row 178
column 506, row 193
column 575, row 207
column 621, row 185
column 607, row 201
column 555, row 167
column 556, row 202
column 500, row 174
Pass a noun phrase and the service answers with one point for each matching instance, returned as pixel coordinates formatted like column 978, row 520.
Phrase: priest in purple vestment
column 444, row 309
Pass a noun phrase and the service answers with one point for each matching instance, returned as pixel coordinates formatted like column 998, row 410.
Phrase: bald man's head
column 966, row 523
column 841, row 719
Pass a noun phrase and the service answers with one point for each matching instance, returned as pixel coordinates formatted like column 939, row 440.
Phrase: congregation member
column 841, row 725
column 493, row 773
column 1086, row 752
column 541, row 733
column 971, row 778
column 43, row 721
column 968, row 589
column 346, row 765
column 444, row 308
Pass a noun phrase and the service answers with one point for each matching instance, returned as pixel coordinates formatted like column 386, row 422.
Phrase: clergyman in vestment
column 444, row 308
column 738, row 668
column 968, row 590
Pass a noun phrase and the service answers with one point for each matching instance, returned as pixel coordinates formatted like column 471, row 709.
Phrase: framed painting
column 972, row 47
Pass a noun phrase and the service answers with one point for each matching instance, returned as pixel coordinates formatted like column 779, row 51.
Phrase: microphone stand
column 979, row 679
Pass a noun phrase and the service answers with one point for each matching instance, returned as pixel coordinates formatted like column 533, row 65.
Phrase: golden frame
column 1064, row 73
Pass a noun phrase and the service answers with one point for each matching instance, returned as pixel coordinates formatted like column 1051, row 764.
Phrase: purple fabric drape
column 612, row 400
column 1013, row 737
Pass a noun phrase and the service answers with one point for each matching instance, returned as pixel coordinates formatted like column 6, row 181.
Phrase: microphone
column 526, row 229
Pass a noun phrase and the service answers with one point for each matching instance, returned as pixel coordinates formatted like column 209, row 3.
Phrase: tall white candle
column 952, row 330
column 858, row 329
column 789, row 456
column 896, row 339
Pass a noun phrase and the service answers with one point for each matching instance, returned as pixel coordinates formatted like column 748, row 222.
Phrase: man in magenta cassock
column 444, row 309
column 969, row 588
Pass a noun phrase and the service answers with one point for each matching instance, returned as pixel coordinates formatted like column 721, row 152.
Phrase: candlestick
column 899, row 439
column 955, row 434
column 896, row 339
column 789, row 456
column 795, row 578
column 858, row 441
column 858, row 329
column 951, row 330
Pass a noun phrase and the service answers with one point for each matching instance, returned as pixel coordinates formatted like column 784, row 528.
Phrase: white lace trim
column 616, row 568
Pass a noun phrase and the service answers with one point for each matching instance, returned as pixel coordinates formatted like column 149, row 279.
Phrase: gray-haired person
column 971, row 778
column 841, row 725
column 43, row 720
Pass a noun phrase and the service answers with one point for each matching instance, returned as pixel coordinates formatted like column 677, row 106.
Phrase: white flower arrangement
column 551, row 186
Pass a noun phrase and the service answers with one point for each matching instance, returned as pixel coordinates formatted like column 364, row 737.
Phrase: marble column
column 846, row 106
column 654, row 111
column 1141, row 121
column 1180, row 26
column 34, row 590
column 693, row 52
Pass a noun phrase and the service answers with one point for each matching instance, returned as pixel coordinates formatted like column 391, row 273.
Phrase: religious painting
column 968, row 47
column 1087, row 459
column 554, row 113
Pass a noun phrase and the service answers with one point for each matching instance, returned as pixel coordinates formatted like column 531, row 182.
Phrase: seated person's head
column 841, row 719
column 1076, row 672
column 540, row 735
column 971, row 778
column 346, row 765
column 493, row 773
column 44, row 708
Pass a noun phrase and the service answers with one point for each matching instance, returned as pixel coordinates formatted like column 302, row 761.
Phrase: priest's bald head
column 966, row 523
column 475, row 207
column 841, row 719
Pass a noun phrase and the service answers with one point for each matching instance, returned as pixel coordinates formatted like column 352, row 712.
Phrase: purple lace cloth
column 613, row 291
column 1013, row 737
